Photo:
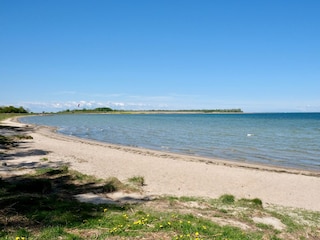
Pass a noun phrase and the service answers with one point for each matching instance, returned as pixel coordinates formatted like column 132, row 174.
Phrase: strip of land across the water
column 167, row 173
column 186, row 111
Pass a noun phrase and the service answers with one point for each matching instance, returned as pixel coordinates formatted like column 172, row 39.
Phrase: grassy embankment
column 41, row 205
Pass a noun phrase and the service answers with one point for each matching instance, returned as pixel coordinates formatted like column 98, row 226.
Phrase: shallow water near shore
column 278, row 139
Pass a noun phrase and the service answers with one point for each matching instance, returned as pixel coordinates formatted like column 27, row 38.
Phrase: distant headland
column 22, row 110
column 182, row 111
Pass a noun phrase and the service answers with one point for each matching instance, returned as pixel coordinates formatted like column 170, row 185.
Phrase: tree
column 12, row 109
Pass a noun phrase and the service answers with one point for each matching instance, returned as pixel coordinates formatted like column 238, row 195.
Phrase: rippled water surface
column 282, row 139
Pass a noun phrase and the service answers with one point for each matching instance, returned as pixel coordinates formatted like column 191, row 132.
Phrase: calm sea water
column 281, row 139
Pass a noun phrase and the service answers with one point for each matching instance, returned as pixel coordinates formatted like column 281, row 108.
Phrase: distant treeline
column 12, row 109
column 101, row 109
column 236, row 110
column 107, row 109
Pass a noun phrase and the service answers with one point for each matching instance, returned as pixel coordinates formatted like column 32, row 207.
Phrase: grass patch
column 44, row 159
column 137, row 181
column 80, row 177
column 254, row 203
column 55, row 214
column 43, row 204
column 227, row 199
column 52, row 171
column 57, row 233
column 113, row 184
column 20, row 137
column 189, row 199
column 6, row 142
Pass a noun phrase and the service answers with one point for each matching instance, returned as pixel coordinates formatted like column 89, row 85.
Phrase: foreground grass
column 42, row 206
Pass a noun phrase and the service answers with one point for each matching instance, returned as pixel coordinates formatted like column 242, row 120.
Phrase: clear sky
column 259, row 56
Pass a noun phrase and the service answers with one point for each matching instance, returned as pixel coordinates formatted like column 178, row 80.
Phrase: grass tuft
column 227, row 199
column 255, row 203
column 137, row 180
column 112, row 184
column 44, row 159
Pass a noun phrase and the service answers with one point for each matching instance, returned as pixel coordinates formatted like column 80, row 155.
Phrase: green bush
column 12, row 109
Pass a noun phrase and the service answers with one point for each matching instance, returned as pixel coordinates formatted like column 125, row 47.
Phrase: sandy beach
column 166, row 173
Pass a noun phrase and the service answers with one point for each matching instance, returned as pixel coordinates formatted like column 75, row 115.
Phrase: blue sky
column 260, row 56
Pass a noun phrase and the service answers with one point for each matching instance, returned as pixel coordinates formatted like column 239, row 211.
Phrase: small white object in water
column 250, row 135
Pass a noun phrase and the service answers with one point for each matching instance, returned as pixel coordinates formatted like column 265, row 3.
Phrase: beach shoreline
column 176, row 174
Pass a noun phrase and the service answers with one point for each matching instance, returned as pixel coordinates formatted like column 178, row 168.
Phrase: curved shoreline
column 243, row 144
column 179, row 175
column 267, row 166
column 178, row 156
column 52, row 132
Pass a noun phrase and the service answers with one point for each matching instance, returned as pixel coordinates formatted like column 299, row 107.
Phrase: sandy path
column 179, row 175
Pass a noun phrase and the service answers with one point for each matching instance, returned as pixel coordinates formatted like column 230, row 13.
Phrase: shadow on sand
column 49, row 197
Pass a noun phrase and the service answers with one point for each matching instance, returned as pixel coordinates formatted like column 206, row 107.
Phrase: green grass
column 41, row 206
column 137, row 180
column 227, row 199
column 6, row 141
column 44, row 159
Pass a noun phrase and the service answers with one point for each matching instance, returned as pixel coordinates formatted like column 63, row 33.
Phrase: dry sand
column 166, row 173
